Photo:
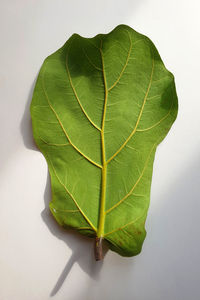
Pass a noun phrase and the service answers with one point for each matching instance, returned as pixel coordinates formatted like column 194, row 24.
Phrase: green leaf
column 100, row 107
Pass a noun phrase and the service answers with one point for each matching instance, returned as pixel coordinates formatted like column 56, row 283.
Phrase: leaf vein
column 104, row 165
column 134, row 186
column 139, row 116
column 52, row 144
column 125, row 65
column 121, row 228
column 72, row 197
column 159, row 122
column 61, row 125
column 90, row 61
column 76, row 96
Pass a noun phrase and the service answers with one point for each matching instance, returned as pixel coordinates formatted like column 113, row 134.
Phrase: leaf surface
column 100, row 107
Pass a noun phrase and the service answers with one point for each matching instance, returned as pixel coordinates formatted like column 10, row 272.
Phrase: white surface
column 36, row 257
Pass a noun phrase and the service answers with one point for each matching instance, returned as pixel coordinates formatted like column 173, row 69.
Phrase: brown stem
column 98, row 251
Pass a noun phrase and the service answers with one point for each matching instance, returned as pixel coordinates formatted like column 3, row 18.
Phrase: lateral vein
column 125, row 65
column 139, row 116
column 61, row 125
column 159, row 122
column 76, row 203
column 132, row 189
column 120, row 228
column 90, row 61
column 77, row 98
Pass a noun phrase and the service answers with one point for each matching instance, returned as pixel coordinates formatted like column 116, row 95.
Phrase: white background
column 38, row 260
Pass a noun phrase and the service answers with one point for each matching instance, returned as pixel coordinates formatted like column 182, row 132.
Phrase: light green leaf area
column 100, row 107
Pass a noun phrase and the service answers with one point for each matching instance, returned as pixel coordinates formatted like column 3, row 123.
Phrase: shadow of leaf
column 82, row 247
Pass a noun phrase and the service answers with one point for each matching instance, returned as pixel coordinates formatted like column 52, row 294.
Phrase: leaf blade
column 100, row 108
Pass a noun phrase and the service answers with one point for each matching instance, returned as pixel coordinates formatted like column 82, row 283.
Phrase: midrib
column 100, row 230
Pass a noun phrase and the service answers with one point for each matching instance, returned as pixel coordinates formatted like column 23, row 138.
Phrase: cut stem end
column 98, row 250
